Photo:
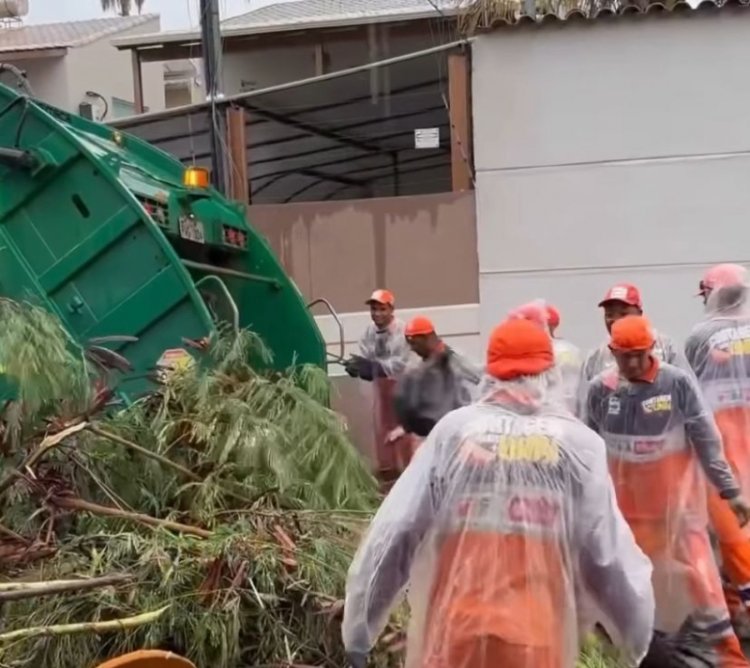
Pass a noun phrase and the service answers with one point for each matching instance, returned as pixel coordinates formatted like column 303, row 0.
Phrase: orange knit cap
column 518, row 348
column 633, row 332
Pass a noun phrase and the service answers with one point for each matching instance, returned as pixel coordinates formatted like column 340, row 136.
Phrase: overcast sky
column 175, row 14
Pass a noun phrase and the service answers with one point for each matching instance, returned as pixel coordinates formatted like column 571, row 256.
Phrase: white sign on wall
column 427, row 138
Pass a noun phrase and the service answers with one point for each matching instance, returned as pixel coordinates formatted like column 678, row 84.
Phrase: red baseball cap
column 382, row 297
column 626, row 293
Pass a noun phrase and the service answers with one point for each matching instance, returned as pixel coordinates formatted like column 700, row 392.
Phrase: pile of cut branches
column 215, row 517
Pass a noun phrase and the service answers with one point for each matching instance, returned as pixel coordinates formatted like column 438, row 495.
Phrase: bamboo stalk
column 74, row 503
column 122, row 624
column 143, row 451
column 14, row 591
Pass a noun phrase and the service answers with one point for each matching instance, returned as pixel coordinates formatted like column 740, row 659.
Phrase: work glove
column 366, row 369
column 688, row 648
column 351, row 367
column 356, row 660
column 741, row 509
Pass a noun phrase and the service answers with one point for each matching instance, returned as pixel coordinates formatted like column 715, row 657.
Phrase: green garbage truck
column 116, row 237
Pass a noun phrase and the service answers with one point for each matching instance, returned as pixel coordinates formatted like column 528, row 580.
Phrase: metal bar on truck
column 222, row 271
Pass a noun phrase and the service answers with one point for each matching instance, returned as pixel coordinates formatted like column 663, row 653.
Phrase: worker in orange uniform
column 504, row 526
column 383, row 357
column 662, row 443
column 443, row 381
column 567, row 356
column 718, row 350
column 620, row 301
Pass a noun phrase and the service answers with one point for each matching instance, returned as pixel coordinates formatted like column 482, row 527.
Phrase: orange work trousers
column 498, row 602
column 733, row 540
column 687, row 564
column 491, row 652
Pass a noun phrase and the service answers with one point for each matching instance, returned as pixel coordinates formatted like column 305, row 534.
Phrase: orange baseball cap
column 382, row 297
column 553, row 316
column 517, row 348
column 419, row 326
column 626, row 293
column 631, row 333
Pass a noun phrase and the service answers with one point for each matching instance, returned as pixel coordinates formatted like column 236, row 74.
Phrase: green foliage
column 596, row 654
column 43, row 367
column 253, row 457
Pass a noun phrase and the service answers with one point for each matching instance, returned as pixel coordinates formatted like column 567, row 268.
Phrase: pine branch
column 73, row 503
column 122, row 624
column 143, row 451
column 115, row 438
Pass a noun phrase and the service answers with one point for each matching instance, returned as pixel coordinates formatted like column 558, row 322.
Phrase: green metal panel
column 92, row 232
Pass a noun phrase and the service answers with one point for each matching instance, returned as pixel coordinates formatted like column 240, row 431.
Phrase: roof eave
column 161, row 39
column 33, row 53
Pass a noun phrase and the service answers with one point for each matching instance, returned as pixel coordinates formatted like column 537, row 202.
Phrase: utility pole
column 211, row 38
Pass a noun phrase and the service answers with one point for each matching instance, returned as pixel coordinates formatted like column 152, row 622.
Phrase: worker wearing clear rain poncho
column 718, row 350
column 662, row 444
column 503, row 526
column 622, row 300
column 383, row 357
column 567, row 356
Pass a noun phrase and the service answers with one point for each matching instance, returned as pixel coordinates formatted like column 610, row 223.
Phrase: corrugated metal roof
column 66, row 34
column 332, row 11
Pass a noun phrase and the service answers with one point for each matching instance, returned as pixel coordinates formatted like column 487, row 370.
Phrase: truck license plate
column 192, row 230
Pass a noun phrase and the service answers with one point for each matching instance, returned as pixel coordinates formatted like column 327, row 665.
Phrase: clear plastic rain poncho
column 718, row 349
column 569, row 360
column 663, row 446
column 505, row 528
column 390, row 350
column 568, row 357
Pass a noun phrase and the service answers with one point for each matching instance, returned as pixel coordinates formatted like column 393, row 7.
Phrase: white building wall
column 611, row 151
column 48, row 78
column 100, row 67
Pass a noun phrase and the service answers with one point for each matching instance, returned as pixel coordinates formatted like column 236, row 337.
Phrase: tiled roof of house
column 334, row 11
column 307, row 13
column 472, row 15
column 29, row 37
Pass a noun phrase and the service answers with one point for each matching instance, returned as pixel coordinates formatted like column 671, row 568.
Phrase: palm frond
column 122, row 7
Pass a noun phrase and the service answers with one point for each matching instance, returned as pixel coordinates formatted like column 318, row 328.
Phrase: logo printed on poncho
column 531, row 448
column 659, row 404
column 530, row 510
column 613, row 406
